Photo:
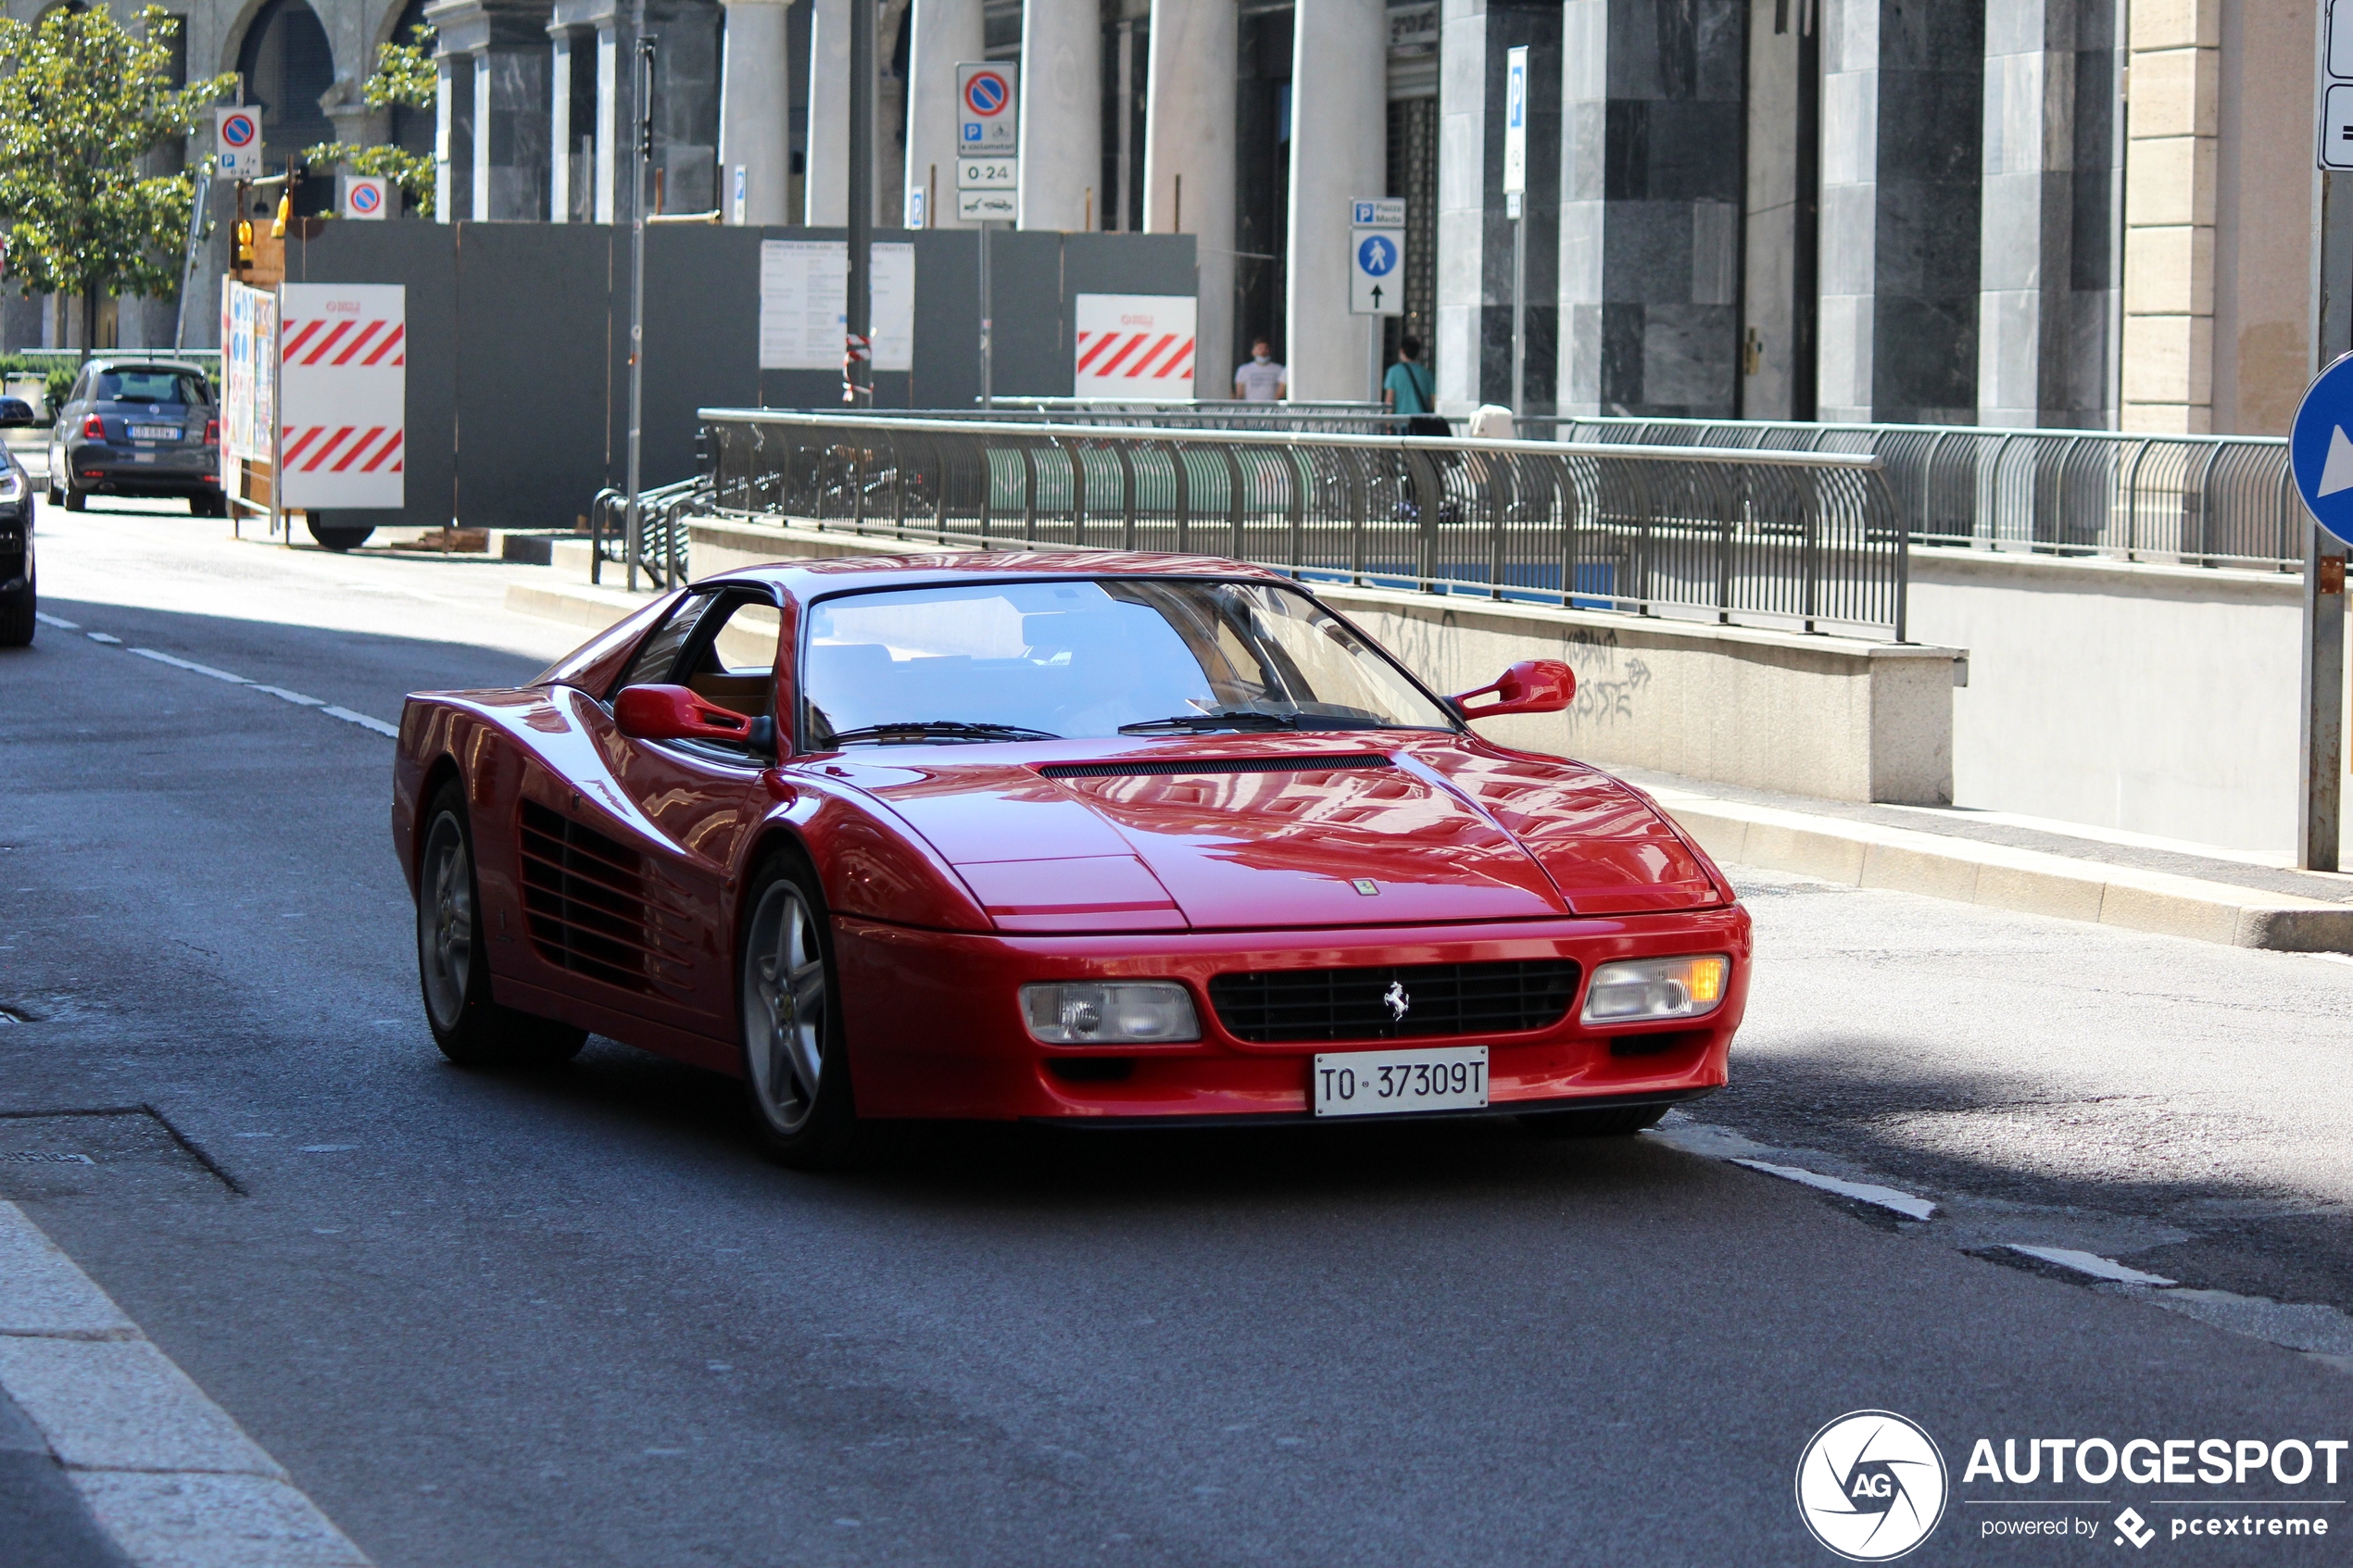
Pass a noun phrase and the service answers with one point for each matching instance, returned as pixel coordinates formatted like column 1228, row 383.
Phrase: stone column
column 1188, row 165
column 561, row 60
column 510, row 148
column 1061, row 114
column 2170, row 123
column 1339, row 152
column 1454, row 353
column 827, row 170
column 611, row 79
column 1903, row 95
column 946, row 33
column 453, row 137
column 1651, row 180
column 755, row 111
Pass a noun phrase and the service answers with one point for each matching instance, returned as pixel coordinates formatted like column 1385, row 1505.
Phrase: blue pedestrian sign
column 1377, row 256
column 2320, row 448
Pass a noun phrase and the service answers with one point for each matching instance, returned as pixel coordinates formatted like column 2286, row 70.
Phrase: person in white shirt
column 1259, row 379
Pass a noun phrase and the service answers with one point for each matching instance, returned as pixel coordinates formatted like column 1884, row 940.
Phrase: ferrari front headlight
column 1647, row 990
column 11, row 486
column 1150, row 1012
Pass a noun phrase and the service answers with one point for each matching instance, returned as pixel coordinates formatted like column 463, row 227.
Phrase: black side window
column 656, row 663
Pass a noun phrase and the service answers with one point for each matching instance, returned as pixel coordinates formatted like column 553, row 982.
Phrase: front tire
column 453, row 960
column 340, row 537
column 795, row 1067
column 16, row 621
column 1604, row 1121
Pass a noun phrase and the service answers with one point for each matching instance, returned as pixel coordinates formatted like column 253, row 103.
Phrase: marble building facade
column 2015, row 212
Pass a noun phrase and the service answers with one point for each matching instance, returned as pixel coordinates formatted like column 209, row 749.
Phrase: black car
column 138, row 427
column 15, row 535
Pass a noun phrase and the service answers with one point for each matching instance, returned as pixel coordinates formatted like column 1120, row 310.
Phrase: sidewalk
column 2211, row 894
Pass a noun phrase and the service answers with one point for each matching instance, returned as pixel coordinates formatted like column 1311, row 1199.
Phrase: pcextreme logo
column 1871, row 1486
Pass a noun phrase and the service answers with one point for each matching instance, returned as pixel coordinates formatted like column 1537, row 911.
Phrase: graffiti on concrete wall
column 1609, row 679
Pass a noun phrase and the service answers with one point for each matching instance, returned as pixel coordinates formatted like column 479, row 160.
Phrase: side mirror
column 14, row 412
column 1533, row 686
column 675, row 713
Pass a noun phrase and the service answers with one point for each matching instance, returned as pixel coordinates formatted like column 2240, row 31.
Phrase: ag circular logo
column 1871, row 1486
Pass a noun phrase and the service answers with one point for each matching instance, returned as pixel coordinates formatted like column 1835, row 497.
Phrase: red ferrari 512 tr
column 1067, row 836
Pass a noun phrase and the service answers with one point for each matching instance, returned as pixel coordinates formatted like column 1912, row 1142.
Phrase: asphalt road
column 573, row 1320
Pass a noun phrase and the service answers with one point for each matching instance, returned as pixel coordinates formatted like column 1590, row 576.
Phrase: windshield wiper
column 943, row 729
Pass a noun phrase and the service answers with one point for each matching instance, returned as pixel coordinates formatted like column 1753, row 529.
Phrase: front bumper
column 934, row 1030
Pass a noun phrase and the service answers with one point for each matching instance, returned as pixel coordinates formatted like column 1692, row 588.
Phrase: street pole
column 645, row 106
column 987, row 398
column 1517, row 202
column 858, row 363
column 199, row 226
column 2321, row 748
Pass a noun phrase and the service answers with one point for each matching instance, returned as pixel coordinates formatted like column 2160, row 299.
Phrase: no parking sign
column 238, row 132
column 366, row 195
column 986, row 108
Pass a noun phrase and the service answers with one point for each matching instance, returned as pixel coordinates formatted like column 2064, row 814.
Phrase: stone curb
column 2032, row 881
column 167, row 1472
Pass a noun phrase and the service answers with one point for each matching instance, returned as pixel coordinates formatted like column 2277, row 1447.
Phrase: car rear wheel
column 453, row 965
column 796, row 1070
column 340, row 537
column 77, row 499
column 1604, row 1121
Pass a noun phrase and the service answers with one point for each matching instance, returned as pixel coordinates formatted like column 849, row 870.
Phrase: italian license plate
column 154, row 433
column 1392, row 1082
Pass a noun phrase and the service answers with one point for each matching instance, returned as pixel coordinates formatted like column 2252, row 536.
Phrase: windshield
column 1147, row 655
column 134, row 385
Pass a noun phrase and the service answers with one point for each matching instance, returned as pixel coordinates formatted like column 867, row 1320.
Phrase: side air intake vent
column 1142, row 767
column 583, row 899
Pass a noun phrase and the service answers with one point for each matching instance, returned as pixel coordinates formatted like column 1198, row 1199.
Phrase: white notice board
column 804, row 285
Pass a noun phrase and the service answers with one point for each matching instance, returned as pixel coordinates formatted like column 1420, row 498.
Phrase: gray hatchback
column 138, row 427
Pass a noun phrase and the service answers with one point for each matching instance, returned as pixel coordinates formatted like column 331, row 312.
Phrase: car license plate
column 154, row 433
column 1392, row 1082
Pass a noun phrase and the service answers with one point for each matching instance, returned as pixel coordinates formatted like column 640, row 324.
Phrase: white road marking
column 363, row 720
column 109, row 638
column 1902, row 1203
column 47, row 619
column 2089, row 1263
column 167, row 1472
column 300, row 700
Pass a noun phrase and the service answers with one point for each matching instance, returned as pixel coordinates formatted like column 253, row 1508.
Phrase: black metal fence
column 2202, row 500
column 1802, row 540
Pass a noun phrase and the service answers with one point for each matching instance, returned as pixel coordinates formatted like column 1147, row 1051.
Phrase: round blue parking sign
column 2320, row 448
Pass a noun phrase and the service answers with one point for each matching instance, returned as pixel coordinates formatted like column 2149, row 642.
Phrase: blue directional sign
column 2320, row 448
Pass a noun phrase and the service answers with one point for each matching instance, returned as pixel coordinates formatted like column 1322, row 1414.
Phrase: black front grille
column 1281, row 1006
column 583, row 900
column 1141, row 768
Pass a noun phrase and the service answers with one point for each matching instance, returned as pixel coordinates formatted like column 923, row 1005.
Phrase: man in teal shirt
column 1408, row 389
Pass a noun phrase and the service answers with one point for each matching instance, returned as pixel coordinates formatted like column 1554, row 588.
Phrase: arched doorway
column 287, row 68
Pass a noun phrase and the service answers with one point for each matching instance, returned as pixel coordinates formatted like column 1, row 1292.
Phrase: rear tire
column 339, row 536
column 1604, row 1121
column 796, row 1066
column 453, row 959
column 77, row 499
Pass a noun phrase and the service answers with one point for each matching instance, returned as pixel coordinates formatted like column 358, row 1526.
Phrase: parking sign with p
column 238, row 134
column 986, row 108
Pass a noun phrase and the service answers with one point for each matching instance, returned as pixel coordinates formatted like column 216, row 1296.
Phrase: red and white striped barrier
column 1134, row 348
column 343, row 383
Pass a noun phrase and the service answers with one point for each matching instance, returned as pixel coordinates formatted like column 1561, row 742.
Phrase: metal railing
column 661, row 531
column 2202, row 500
column 1204, row 414
column 1792, row 539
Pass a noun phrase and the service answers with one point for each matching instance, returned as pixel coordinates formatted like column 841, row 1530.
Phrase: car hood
column 1264, row 832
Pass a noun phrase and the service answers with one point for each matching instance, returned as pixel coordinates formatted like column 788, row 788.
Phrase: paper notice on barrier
column 344, row 384
column 804, row 285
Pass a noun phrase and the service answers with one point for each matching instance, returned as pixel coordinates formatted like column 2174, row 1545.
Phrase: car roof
column 144, row 365
column 806, row 579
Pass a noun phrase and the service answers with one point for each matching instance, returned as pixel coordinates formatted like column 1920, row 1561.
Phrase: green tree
column 404, row 78
column 83, row 102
